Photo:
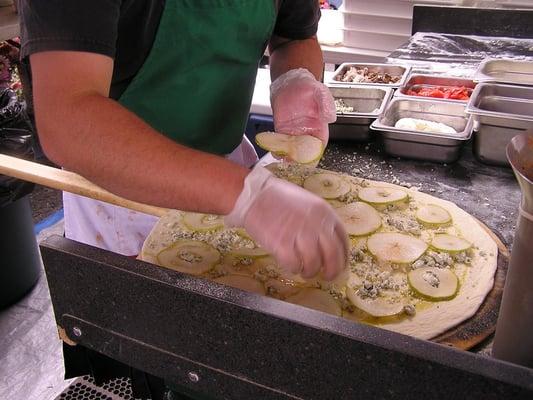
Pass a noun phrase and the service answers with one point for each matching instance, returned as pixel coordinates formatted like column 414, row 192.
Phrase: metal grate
column 84, row 388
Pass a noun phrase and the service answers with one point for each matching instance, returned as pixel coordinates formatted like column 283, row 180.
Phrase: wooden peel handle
column 68, row 182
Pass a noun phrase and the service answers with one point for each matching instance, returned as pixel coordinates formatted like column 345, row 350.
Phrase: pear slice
column 316, row 299
column 378, row 307
column 450, row 243
column 434, row 284
column 202, row 222
column 242, row 265
column 432, row 214
column 189, row 256
column 295, row 177
column 336, row 203
column 303, row 149
column 359, row 218
column 381, row 195
column 281, row 290
column 242, row 282
column 327, row 185
column 396, row 248
column 256, row 252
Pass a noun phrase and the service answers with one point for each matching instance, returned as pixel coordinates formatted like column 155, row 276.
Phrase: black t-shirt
column 125, row 29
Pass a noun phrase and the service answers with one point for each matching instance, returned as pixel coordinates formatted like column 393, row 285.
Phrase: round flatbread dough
column 421, row 318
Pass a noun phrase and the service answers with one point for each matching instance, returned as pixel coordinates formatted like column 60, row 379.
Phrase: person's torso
column 196, row 83
column 137, row 28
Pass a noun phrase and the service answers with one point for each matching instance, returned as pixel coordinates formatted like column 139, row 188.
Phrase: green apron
column 196, row 84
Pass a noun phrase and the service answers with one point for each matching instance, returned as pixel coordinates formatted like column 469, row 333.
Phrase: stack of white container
column 380, row 24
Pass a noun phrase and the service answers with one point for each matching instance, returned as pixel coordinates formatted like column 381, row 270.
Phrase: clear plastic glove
column 298, row 228
column 301, row 105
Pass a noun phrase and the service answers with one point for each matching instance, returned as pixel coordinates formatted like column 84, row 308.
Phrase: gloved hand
column 298, row 228
column 302, row 105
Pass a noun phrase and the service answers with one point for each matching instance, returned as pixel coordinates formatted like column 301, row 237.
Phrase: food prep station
column 492, row 107
column 218, row 340
column 226, row 343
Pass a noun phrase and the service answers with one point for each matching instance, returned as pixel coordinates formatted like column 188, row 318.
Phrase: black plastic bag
column 16, row 139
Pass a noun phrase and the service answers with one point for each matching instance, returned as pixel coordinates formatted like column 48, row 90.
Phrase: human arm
column 86, row 132
column 300, row 103
column 83, row 130
column 287, row 54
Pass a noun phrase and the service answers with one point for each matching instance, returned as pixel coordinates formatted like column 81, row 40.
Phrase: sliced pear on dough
column 450, row 243
column 396, row 248
column 432, row 214
column 327, row 185
column 242, row 282
column 256, row 252
column 189, row 256
column 202, row 222
column 381, row 195
column 378, row 307
column 434, row 284
column 240, row 265
column 359, row 218
column 303, row 149
column 280, row 290
column 336, row 203
column 295, row 178
column 316, row 299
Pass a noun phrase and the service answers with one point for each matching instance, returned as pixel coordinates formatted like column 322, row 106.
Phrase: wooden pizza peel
column 69, row 182
column 464, row 336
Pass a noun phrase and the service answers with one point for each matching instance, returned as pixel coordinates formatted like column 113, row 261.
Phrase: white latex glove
column 298, row 228
column 302, row 105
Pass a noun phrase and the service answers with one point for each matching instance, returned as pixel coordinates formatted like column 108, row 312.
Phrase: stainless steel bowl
column 500, row 112
column 505, row 71
column 423, row 145
column 392, row 69
column 368, row 103
column 422, row 80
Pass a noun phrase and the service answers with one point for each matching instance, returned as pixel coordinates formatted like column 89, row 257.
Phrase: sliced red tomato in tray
column 441, row 92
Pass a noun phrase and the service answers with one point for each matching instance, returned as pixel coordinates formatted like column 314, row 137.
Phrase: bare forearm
column 101, row 140
column 286, row 55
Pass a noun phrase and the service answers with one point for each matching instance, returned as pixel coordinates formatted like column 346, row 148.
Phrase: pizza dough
column 374, row 288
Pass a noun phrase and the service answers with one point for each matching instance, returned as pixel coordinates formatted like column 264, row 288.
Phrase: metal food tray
column 392, row 69
column 433, row 81
column 422, row 145
column 500, row 112
column 505, row 71
column 370, row 103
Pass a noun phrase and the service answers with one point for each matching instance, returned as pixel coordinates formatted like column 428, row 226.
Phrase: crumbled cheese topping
column 403, row 224
column 242, row 261
column 266, row 273
column 359, row 256
column 431, row 278
column 463, row 257
column 349, row 197
column 433, row 259
column 189, row 257
column 375, row 282
column 409, row 309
